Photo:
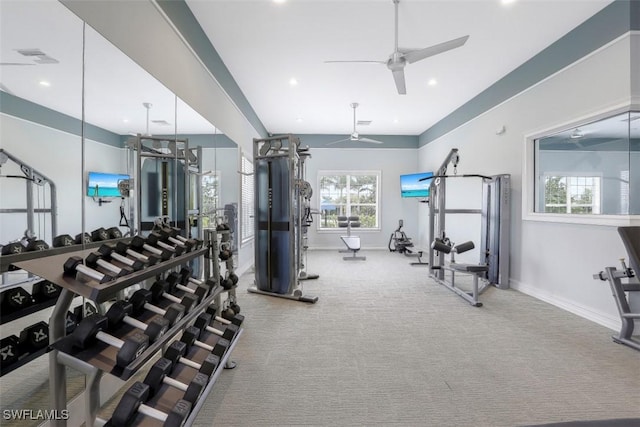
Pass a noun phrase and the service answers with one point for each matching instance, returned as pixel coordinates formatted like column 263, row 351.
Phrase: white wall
column 57, row 155
column 392, row 163
column 551, row 261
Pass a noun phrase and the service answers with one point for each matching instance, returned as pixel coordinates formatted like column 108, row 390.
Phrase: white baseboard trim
column 600, row 318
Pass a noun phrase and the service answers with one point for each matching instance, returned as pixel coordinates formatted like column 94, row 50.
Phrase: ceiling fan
column 355, row 136
column 401, row 56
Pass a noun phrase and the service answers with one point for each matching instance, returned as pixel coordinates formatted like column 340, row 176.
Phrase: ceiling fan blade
column 358, row 61
column 398, row 77
column 372, row 141
column 412, row 56
column 335, row 142
column 15, row 63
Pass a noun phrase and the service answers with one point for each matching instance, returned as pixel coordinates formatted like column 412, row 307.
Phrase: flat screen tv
column 415, row 184
column 101, row 184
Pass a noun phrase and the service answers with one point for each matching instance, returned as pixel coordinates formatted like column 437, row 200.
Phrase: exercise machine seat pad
column 352, row 242
column 469, row 268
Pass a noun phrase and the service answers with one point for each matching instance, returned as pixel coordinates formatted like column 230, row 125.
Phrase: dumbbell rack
column 100, row 359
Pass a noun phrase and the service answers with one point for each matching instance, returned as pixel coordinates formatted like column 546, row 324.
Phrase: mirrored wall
column 72, row 108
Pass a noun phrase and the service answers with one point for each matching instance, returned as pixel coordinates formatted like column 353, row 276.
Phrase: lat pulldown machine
column 281, row 210
column 493, row 268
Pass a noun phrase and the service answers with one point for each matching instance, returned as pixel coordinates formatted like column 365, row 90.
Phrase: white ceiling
column 265, row 44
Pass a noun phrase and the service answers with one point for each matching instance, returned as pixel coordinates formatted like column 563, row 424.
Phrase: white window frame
column 247, row 201
column 377, row 173
column 529, row 175
column 597, row 196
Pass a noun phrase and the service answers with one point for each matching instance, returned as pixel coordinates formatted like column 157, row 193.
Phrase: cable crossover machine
column 493, row 266
column 282, row 209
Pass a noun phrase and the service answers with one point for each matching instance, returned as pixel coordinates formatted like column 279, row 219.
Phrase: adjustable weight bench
column 351, row 242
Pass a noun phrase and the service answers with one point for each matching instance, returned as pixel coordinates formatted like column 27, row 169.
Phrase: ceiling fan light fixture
column 577, row 134
column 44, row 83
column 432, row 82
column 293, row 81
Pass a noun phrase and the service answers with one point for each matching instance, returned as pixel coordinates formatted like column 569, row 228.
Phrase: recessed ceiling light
column 293, row 82
column 395, row 120
column 508, row 1
column 45, row 83
column 279, row 1
column 432, row 82
column 125, row 120
column 299, row 119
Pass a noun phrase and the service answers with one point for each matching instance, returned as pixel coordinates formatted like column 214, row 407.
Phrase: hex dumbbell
column 203, row 322
column 159, row 374
column 156, row 240
column 109, row 252
column 185, row 278
column 123, row 249
column 160, row 289
column 141, row 300
column 119, row 313
column 235, row 320
column 15, row 299
column 94, row 260
column 191, row 336
column 201, row 291
column 169, row 237
column 92, row 328
column 132, row 403
column 175, row 234
column 176, row 354
column 74, row 265
column 140, row 244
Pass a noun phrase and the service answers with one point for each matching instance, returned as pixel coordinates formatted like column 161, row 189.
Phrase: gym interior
column 176, row 250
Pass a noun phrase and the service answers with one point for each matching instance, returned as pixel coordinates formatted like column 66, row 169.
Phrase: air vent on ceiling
column 364, row 122
column 38, row 56
column 161, row 122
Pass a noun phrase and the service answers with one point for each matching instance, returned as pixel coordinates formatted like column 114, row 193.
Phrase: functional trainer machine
column 494, row 237
column 281, row 195
column 626, row 295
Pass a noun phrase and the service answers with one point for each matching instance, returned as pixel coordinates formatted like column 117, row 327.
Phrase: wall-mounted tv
column 101, row 184
column 415, row 184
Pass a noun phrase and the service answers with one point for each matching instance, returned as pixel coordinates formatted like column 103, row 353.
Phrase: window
column 210, row 197
column 349, row 194
column 589, row 169
column 247, row 208
column 572, row 194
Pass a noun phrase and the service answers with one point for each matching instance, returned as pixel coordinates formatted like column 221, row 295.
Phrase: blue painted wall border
column 611, row 22
column 30, row 111
column 182, row 17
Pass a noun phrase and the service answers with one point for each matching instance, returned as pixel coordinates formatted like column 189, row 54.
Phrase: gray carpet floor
column 385, row 345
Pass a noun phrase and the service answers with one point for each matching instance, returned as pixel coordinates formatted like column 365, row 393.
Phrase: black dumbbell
column 190, row 338
column 15, row 299
column 63, row 240
column 156, row 240
column 36, row 245
column 203, row 322
column 100, row 234
column 139, row 243
column 13, row 248
column 175, row 234
column 10, row 351
column 159, row 374
column 83, row 238
column 169, row 237
column 141, row 300
column 74, row 265
column 160, row 289
column 226, row 283
column 70, row 322
column 94, row 260
column 235, row 307
column 132, row 404
column 236, row 319
column 34, row 337
column 234, row 278
column 124, row 249
column 114, row 233
column 109, row 253
column 44, row 290
column 178, row 349
column 119, row 313
column 174, row 281
column 92, row 328
column 185, row 278
column 86, row 310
